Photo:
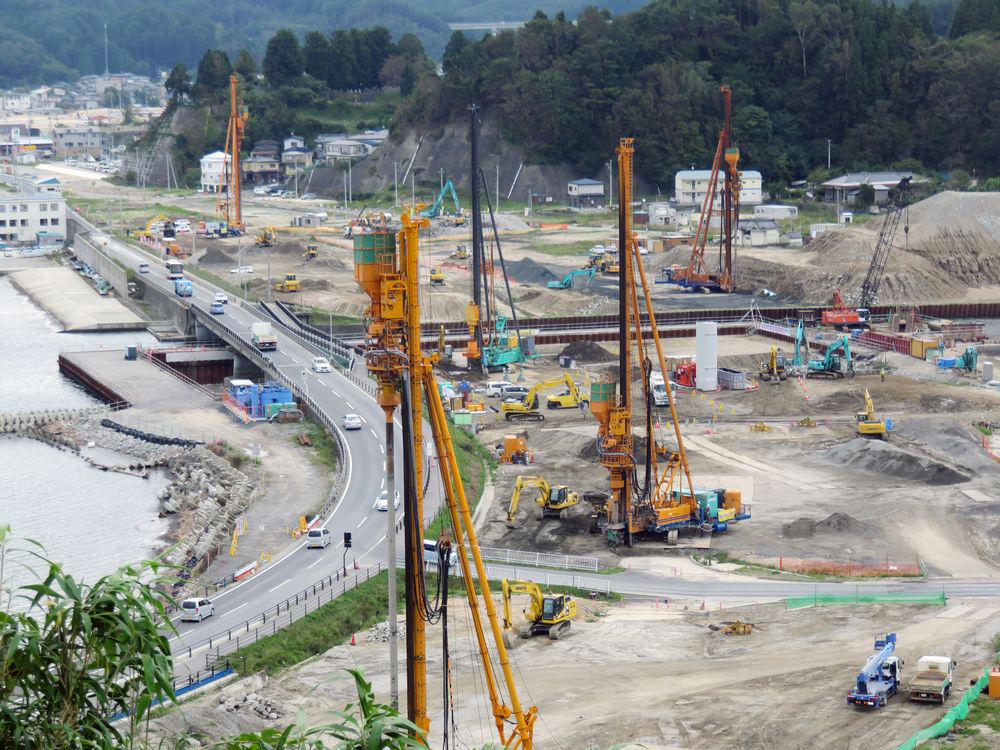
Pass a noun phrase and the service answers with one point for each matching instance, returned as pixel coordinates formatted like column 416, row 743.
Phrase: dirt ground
column 687, row 685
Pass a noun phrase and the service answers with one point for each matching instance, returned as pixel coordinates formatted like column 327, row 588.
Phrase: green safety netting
column 944, row 726
column 827, row 600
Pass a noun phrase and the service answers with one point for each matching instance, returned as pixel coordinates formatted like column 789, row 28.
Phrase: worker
column 881, row 374
column 583, row 409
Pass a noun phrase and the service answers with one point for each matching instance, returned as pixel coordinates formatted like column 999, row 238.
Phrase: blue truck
column 183, row 288
column 879, row 679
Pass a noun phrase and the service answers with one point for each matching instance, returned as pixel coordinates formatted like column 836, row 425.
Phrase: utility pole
column 345, row 190
column 350, row 180
column 395, row 182
column 611, row 185
column 497, row 193
column 413, row 192
column 828, row 153
column 106, row 71
column 440, row 179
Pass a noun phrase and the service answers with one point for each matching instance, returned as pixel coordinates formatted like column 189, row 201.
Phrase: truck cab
column 932, row 681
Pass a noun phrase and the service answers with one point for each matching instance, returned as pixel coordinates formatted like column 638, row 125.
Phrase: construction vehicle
column 288, row 284
column 841, row 316
column 774, row 367
column 869, row 425
column 724, row 208
column 437, row 276
column 546, row 615
column 968, row 360
column 435, row 209
column 571, row 398
column 526, row 410
column 229, row 205
column 648, row 496
column 932, row 682
column 263, row 337
column 461, row 253
column 685, row 374
column 833, row 365
column 879, row 678
column 387, row 269
column 760, row 427
column 513, row 450
column 567, row 281
column 738, row 627
column 266, row 237
column 552, row 499
column 801, row 345
column 312, row 250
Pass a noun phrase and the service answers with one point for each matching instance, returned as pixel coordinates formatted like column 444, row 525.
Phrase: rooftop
column 885, row 179
column 585, row 181
column 704, row 174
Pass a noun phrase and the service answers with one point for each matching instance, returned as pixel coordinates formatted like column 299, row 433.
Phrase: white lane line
column 335, row 392
column 381, row 448
column 362, row 419
column 236, row 608
column 349, row 404
column 287, row 580
column 362, row 522
column 382, row 487
column 318, row 561
column 372, row 431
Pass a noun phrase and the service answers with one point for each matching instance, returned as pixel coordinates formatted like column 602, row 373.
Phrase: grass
column 324, row 448
column 319, row 317
column 348, row 112
column 234, row 289
column 569, row 248
column 751, row 568
column 474, row 460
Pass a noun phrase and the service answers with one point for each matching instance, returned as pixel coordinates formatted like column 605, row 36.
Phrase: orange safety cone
column 354, row 639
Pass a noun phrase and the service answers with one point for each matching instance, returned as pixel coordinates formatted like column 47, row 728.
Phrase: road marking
column 349, row 404
column 335, row 392
column 362, row 522
column 239, row 607
column 381, row 448
column 287, row 580
column 374, row 434
column 382, row 486
column 318, row 561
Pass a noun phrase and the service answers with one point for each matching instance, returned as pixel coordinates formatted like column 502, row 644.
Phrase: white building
column 691, row 186
column 661, row 213
column 30, row 218
column 293, row 141
column 585, row 192
column 343, row 148
column 757, row 232
column 14, row 102
column 214, row 167
column 774, row 211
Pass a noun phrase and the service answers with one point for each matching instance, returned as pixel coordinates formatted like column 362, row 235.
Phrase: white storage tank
column 706, row 347
column 987, row 372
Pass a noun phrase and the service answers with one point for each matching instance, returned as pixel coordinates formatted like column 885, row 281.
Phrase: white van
column 495, row 387
column 144, row 268
column 318, row 538
column 431, row 555
column 196, row 610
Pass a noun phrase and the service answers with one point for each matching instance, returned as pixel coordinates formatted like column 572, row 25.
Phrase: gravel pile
column 251, row 704
column 888, row 460
column 379, row 632
column 528, row 271
column 214, row 256
column 804, row 528
column 587, row 352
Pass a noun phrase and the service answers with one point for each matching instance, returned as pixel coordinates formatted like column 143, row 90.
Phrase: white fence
column 539, row 559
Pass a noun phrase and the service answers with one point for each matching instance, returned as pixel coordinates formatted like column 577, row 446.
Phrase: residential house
column 661, row 213
column 343, row 148
column 757, row 232
column 585, row 193
column 261, row 170
column 293, row 141
column 295, row 160
column 322, row 140
column 214, row 167
column 12, row 101
column 32, row 218
column 266, row 148
column 74, row 142
column 691, row 187
column 846, row 187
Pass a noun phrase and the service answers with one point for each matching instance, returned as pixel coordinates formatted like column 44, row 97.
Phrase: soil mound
column 840, row 523
column 311, row 285
column 328, row 264
column 588, row 352
column 528, row 271
column 886, row 459
column 215, row 256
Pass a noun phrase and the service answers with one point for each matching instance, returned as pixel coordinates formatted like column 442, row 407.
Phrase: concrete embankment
column 69, row 299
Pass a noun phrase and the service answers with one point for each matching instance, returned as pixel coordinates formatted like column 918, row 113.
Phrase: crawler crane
column 387, row 270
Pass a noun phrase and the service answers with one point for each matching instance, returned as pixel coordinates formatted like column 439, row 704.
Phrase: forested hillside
column 871, row 77
column 55, row 39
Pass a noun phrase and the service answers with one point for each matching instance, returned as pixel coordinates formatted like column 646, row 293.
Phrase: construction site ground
column 654, row 674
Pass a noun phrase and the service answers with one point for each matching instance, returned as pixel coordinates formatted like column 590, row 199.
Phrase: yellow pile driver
column 552, row 499
column 546, row 615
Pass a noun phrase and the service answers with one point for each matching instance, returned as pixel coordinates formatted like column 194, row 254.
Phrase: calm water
column 89, row 520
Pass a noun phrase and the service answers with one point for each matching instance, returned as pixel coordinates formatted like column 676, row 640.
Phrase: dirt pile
column 840, row 523
column 528, row 271
column 214, row 256
column 587, row 352
column 329, row 264
column 888, row 460
column 311, row 285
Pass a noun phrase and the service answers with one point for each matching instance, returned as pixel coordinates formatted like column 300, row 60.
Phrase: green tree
column 283, row 59
column 80, row 653
column 410, row 47
column 245, row 65
column 214, row 71
column 457, row 45
column 178, row 83
column 317, row 56
column 407, row 81
column 959, row 179
column 865, row 197
column 975, row 15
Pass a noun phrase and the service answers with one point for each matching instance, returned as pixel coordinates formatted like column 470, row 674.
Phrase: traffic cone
column 354, row 639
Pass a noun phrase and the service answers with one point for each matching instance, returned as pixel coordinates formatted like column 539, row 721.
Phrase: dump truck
column 932, row 682
column 263, row 337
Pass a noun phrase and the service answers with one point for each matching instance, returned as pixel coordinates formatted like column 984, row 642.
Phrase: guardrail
column 539, row 559
column 601, row 585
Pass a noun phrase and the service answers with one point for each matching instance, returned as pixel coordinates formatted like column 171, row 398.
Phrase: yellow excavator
column 571, row 398
column 437, row 276
column 266, row 238
column 546, row 615
column 526, row 410
column 869, row 425
column 552, row 499
column 774, row 368
column 288, row 284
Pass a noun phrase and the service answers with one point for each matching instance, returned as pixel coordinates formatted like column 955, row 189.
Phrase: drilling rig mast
column 229, row 205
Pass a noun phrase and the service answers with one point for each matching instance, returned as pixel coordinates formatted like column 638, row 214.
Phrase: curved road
column 336, row 395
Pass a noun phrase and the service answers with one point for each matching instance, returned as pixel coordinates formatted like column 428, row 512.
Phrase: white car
column 318, row 538
column 260, row 190
column 196, row 610
column 242, row 269
column 351, row 422
column 382, row 503
column 321, row 364
column 222, row 297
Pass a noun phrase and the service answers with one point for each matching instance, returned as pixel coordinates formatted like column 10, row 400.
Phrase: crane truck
column 878, row 680
column 553, row 499
column 546, row 615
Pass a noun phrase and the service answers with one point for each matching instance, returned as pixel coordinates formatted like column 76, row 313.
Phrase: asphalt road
column 365, row 463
